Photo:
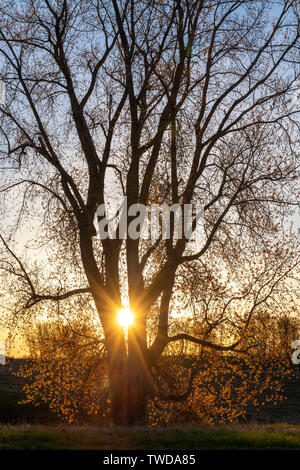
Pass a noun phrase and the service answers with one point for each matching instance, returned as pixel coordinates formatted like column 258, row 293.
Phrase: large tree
column 183, row 101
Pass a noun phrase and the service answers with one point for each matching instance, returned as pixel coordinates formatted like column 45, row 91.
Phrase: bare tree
column 184, row 101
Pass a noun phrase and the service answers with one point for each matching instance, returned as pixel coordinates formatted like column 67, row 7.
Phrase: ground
column 31, row 437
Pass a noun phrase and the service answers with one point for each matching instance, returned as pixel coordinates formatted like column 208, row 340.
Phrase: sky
column 26, row 232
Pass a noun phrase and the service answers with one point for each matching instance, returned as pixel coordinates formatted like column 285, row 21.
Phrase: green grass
column 222, row 440
column 31, row 439
column 72, row 437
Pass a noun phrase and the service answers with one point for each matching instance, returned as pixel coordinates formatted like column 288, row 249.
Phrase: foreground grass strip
column 219, row 440
column 38, row 437
column 31, row 439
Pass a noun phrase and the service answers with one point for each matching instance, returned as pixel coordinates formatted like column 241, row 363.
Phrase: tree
column 183, row 102
column 194, row 384
column 67, row 369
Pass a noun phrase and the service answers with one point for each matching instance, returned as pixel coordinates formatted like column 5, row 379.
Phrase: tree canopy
column 176, row 102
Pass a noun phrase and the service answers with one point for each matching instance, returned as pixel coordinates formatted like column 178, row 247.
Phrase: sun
column 125, row 317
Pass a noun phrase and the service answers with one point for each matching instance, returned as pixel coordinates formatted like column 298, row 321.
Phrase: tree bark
column 119, row 390
column 130, row 382
column 140, row 385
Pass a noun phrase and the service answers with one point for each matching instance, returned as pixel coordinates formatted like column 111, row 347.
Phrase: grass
column 274, row 437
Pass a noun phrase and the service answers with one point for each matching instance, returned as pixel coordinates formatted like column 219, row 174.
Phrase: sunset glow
column 125, row 317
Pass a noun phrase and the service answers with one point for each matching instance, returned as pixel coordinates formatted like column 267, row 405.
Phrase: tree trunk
column 140, row 385
column 138, row 395
column 130, row 383
column 118, row 372
column 119, row 391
